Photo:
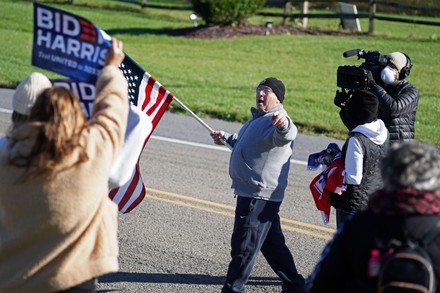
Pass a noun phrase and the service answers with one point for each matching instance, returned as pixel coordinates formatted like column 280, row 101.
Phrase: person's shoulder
column 283, row 109
column 405, row 84
column 354, row 136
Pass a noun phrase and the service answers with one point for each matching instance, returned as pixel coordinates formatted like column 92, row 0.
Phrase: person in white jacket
column 367, row 143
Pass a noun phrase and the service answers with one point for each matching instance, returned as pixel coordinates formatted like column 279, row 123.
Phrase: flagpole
column 223, row 140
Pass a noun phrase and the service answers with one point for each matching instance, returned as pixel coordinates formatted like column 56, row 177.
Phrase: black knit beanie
column 362, row 107
column 276, row 85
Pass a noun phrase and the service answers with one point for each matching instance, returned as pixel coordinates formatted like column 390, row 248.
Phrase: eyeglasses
column 265, row 90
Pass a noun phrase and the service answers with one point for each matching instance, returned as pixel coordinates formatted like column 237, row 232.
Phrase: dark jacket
column 397, row 108
column 355, row 198
column 344, row 262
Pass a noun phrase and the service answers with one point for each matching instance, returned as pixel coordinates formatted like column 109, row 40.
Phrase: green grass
column 216, row 78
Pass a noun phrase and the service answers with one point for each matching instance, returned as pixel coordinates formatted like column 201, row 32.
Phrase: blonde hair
column 58, row 113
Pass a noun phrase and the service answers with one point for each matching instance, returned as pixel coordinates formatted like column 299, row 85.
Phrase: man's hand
column 279, row 120
column 218, row 137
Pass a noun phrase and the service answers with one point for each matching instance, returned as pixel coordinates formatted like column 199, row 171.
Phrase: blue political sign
column 68, row 44
column 84, row 91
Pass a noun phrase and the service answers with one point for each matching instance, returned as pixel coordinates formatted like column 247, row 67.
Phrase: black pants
column 86, row 287
column 257, row 227
column 341, row 217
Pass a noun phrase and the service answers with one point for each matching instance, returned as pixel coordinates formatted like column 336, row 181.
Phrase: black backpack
column 406, row 267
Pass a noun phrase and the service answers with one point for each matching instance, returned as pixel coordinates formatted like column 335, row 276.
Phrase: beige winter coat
column 61, row 231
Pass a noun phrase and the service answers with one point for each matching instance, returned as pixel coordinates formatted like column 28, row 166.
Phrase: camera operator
column 398, row 99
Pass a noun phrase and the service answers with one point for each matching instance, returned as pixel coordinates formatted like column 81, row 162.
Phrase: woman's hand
column 115, row 55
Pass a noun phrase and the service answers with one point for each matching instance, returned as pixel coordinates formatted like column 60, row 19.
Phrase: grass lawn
column 217, row 77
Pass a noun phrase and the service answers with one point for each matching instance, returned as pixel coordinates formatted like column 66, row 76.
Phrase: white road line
column 195, row 144
column 7, row 111
column 207, row 146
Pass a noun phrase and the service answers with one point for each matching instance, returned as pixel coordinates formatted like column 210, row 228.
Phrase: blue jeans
column 257, row 227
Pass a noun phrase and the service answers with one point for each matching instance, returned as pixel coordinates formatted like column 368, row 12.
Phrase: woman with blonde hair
column 58, row 227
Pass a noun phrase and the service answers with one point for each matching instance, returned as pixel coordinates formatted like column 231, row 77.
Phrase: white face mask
column 388, row 75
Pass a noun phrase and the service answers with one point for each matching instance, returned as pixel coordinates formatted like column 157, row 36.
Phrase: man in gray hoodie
column 259, row 167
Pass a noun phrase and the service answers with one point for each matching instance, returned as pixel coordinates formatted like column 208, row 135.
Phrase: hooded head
column 27, row 92
column 362, row 107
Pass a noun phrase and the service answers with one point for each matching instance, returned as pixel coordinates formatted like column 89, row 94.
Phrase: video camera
column 355, row 77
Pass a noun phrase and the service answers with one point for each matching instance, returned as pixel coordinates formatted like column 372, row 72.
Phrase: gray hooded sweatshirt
column 260, row 159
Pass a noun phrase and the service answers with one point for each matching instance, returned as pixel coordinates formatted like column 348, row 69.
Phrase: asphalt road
column 177, row 239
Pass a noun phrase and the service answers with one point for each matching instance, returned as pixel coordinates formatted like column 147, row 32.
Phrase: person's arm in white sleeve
column 354, row 162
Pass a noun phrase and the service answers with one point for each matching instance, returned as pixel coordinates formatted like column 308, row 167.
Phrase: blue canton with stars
column 134, row 74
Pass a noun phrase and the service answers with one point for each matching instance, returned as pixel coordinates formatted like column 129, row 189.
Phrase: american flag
column 153, row 99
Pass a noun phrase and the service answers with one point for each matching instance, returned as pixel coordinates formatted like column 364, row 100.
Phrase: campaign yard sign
column 68, row 44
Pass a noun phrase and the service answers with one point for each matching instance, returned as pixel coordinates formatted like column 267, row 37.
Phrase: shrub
column 226, row 12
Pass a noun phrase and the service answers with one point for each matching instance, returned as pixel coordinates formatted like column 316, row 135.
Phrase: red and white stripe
column 153, row 100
